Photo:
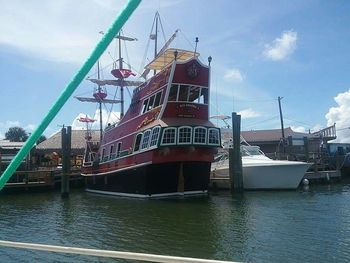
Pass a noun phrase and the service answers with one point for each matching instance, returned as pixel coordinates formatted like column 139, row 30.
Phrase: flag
column 122, row 73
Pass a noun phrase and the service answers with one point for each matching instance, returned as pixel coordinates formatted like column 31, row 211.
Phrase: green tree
column 16, row 134
column 41, row 139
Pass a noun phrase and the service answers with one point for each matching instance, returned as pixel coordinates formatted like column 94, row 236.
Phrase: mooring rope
column 108, row 253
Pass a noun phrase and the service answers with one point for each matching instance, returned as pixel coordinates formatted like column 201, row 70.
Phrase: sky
column 261, row 49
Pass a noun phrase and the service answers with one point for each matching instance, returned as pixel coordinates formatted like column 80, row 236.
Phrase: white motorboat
column 261, row 172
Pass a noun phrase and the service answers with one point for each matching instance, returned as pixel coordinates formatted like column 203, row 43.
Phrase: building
column 49, row 152
column 8, row 150
column 296, row 145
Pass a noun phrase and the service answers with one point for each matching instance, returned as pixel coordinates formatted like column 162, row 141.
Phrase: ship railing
column 108, row 253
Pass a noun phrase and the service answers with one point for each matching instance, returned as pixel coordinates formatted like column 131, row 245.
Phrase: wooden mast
column 121, row 83
column 156, row 40
column 99, row 101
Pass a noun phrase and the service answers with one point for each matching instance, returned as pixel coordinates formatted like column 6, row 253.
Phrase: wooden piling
column 235, row 158
column 66, row 135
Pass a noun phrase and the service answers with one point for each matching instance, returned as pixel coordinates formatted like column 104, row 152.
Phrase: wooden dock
column 31, row 179
column 323, row 176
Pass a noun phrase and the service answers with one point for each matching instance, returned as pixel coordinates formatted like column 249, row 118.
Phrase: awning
column 168, row 56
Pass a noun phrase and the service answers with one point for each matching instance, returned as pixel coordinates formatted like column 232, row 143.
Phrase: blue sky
column 261, row 50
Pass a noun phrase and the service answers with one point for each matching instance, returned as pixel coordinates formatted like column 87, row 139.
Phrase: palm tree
column 16, row 134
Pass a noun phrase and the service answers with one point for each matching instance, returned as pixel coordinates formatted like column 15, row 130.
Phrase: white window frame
column 218, row 132
column 169, row 128
column 194, row 134
column 111, row 148
column 118, row 150
column 142, row 142
column 159, row 130
column 160, row 99
column 144, row 110
column 133, row 148
column 178, row 135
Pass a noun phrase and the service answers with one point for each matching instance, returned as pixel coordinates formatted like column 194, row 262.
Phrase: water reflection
column 308, row 226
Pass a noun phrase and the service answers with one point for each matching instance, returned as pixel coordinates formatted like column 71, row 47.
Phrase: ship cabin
column 169, row 113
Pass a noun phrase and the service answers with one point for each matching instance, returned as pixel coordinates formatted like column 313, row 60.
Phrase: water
column 292, row 226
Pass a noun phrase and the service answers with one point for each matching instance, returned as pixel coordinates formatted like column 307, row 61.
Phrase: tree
column 41, row 139
column 16, row 134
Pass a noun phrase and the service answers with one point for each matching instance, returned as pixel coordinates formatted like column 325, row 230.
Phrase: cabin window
column 157, row 99
column 173, row 93
column 183, row 93
column 137, row 142
column 169, row 136
column 189, row 93
column 119, row 147
column 214, row 136
column 194, row 94
column 111, row 155
column 145, row 140
column 103, row 154
column 200, row 135
column 150, row 103
column 144, row 107
column 154, row 137
column 185, row 135
column 203, row 99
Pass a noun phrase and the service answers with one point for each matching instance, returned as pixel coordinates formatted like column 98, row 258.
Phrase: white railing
column 108, row 253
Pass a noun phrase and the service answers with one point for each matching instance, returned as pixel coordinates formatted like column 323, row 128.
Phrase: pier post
column 66, row 137
column 235, row 158
column 306, row 148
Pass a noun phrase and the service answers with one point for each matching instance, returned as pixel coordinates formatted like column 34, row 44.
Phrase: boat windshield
column 251, row 150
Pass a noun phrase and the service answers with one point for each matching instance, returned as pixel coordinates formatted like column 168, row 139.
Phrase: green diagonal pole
column 122, row 17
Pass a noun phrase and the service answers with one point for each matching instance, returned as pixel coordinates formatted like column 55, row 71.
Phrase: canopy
column 165, row 58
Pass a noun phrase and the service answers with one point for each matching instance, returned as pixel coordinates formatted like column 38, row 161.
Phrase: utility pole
column 282, row 127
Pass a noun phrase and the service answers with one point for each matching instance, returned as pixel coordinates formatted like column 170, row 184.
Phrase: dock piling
column 235, row 158
column 66, row 136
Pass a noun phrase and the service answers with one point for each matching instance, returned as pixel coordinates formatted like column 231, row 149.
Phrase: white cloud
column 298, row 129
column 233, row 75
column 30, row 127
column 2, row 136
column 8, row 124
column 112, row 118
column 55, row 30
column 282, row 46
column 341, row 116
column 248, row 113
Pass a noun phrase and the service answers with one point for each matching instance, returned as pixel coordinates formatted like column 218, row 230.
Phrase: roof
column 165, row 58
column 78, row 141
column 266, row 135
column 6, row 144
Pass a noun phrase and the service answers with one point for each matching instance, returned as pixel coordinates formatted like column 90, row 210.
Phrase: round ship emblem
column 193, row 70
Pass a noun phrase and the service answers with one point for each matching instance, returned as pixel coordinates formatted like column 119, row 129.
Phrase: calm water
column 300, row 226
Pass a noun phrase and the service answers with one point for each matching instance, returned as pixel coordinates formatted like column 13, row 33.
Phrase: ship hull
column 153, row 180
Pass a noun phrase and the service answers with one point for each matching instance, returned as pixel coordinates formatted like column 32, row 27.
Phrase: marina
column 215, row 150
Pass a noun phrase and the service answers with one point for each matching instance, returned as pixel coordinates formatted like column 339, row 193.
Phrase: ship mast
column 121, row 83
column 99, row 101
column 156, row 39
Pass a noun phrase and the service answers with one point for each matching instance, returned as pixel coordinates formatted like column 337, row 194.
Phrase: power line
column 253, row 124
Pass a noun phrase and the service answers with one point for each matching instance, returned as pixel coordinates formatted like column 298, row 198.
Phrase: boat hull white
column 276, row 176
column 266, row 174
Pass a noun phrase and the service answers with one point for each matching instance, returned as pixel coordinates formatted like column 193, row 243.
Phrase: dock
column 31, row 179
column 323, row 176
